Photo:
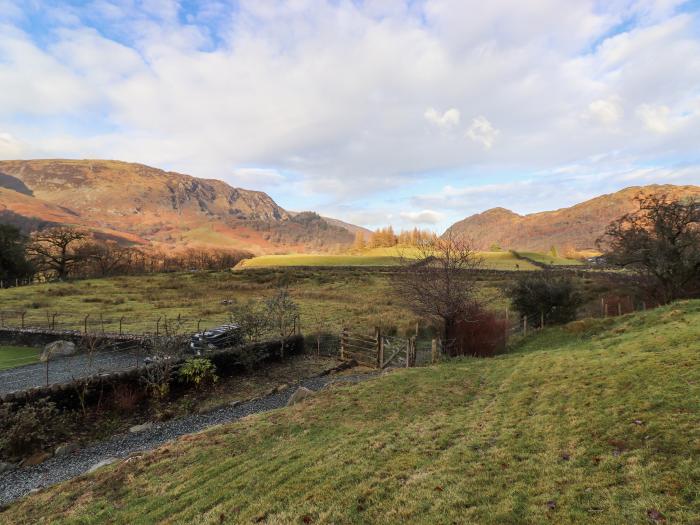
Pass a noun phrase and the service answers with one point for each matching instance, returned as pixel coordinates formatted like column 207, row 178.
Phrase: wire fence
column 101, row 323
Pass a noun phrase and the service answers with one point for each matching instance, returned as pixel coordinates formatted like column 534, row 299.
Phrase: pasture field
column 14, row 356
column 597, row 422
column 550, row 259
column 328, row 299
column 378, row 257
column 272, row 261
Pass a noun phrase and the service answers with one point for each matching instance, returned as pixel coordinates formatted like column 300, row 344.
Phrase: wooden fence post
column 541, row 320
column 524, row 325
column 380, row 346
column 434, row 351
column 619, row 308
column 343, row 342
column 85, row 321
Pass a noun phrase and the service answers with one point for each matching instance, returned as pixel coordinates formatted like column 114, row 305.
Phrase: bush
column 480, row 333
column 29, row 428
column 544, row 295
column 199, row 372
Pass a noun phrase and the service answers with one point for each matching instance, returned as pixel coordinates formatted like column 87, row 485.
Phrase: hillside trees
column 57, row 250
column 440, row 283
column 660, row 242
column 13, row 261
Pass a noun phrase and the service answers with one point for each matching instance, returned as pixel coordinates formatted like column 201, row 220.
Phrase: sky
column 402, row 112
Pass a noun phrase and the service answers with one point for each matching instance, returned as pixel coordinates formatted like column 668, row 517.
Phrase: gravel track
column 65, row 369
column 19, row 482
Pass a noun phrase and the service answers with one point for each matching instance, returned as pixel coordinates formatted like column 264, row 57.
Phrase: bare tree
column 438, row 281
column 283, row 315
column 57, row 250
column 660, row 242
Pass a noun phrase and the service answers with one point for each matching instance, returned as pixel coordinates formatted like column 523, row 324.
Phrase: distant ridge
column 141, row 204
column 573, row 228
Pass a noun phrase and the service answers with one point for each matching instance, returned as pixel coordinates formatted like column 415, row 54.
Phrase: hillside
column 597, row 422
column 574, row 228
column 153, row 205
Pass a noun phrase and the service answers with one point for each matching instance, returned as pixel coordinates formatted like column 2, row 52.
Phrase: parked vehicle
column 224, row 336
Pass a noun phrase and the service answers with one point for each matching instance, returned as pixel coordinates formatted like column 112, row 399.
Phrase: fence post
column 541, row 319
column 318, row 345
column 619, row 308
column 434, row 351
column 343, row 342
column 602, row 306
column 85, row 323
column 121, row 320
column 644, row 306
column 524, row 325
column 380, row 346
column 158, row 327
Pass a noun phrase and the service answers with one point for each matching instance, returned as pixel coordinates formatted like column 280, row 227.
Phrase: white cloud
column 447, row 120
column 10, row 147
column 255, row 178
column 483, row 132
column 656, row 118
column 423, row 217
column 606, row 111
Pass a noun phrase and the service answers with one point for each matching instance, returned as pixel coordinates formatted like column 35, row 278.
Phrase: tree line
column 386, row 238
column 64, row 252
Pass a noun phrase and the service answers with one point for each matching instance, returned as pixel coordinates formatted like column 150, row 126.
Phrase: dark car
column 224, row 336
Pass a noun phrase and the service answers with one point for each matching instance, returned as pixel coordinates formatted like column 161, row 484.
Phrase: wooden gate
column 378, row 351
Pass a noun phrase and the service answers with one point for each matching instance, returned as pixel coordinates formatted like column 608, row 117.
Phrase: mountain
column 140, row 204
column 574, row 228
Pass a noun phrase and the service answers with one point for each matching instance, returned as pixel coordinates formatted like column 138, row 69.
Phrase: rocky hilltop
column 574, row 228
column 139, row 203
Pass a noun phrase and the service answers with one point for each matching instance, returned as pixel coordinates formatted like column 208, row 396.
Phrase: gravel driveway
column 65, row 369
column 19, row 482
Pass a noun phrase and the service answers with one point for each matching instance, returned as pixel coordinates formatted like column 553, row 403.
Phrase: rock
column 58, row 349
column 301, row 393
column 141, row 428
column 35, row 459
column 103, row 463
column 6, row 467
column 65, row 449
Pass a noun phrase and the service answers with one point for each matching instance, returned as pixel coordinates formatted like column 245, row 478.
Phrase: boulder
column 103, row 463
column 301, row 393
column 58, row 349
column 141, row 428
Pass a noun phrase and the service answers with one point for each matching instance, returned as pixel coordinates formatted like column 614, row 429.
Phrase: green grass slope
column 13, row 356
column 595, row 423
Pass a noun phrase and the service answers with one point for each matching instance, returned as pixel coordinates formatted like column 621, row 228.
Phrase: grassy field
column 595, row 423
column 268, row 261
column 379, row 257
column 552, row 260
column 12, row 356
column 328, row 299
